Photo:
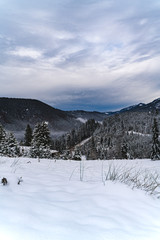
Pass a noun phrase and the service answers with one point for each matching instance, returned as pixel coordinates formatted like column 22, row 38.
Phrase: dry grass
column 140, row 179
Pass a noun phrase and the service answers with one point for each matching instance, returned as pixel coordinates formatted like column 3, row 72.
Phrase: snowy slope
column 83, row 142
column 53, row 204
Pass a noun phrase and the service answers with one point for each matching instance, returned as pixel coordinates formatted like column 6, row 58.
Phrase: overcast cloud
column 88, row 54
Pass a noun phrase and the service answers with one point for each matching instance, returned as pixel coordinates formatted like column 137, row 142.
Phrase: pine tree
column 2, row 133
column 68, row 141
column 124, row 151
column 155, row 154
column 40, row 145
column 10, row 146
column 92, row 154
column 2, row 139
column 28, row 136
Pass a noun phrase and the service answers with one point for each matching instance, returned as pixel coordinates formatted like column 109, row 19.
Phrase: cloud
column 95, row 53
column 26, row 52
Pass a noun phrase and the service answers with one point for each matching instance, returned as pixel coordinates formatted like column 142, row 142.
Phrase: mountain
column 142, row 107
column 16, row 113
column 123, row 134
column 83, row 116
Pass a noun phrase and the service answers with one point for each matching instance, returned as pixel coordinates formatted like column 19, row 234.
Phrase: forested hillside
column 16, row 113
column 125, row 135
column 122, row 135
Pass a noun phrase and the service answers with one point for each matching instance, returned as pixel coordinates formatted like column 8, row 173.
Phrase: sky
column 80, row 54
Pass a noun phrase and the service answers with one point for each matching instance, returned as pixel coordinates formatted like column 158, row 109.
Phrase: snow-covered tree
column 2, row 138
column 2, row 133
column 10, row 146
column 92, row 151
column 124, row 151
column 40, row 145
column 155, row 154
column 28, row 136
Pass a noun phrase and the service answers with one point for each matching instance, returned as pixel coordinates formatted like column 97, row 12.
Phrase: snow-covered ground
column 53, row 204
column 139, row 134
column 82, row 120
column 83, row 142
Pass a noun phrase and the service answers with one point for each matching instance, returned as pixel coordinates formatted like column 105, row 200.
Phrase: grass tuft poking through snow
column 68, row 200
column 135, row 178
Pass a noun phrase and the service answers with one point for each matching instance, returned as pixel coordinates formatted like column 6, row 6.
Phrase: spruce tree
column 2, row 133
column 68, row 141
column 155, row 154
column 40, row 145
column 10, row 146
column 124, row 151
column 2, row 139
column 28, row 136
column 92, row 154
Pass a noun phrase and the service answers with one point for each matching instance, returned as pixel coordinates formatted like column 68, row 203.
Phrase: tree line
column 122, row 136
column 125, row 136
column 38, row 141
column 74, row 137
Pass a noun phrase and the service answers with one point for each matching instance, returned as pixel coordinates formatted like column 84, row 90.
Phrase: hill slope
column 16, row 113
column 124, row 134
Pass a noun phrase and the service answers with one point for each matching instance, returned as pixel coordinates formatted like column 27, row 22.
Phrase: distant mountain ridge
column 80, row 114
column 141, row 107
column 16, row 113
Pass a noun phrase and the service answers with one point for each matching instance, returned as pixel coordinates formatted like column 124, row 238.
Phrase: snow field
column 52, row 202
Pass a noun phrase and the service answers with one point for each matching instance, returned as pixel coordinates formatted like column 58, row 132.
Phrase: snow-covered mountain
column 142, row 107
